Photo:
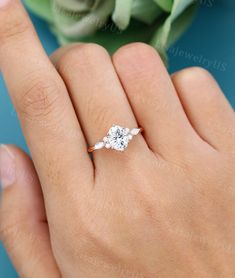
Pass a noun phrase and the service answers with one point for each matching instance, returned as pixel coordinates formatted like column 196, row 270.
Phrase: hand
column 163, row 208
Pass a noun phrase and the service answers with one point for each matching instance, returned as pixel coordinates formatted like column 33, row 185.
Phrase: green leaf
column 179, row 6
column 181, row 24
column 160, row 22
column 166, row 5
column 163, row 35
column 146, row 11
column 75, row 5
column 112, row 38
column 87, row 24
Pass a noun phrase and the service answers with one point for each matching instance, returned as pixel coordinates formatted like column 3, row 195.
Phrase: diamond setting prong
column 107, row 146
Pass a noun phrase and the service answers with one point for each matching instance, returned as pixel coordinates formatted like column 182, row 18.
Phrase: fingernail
column 7, row 166
column 3, row 3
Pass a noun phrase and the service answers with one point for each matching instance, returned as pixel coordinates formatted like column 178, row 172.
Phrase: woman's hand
column 165, row 207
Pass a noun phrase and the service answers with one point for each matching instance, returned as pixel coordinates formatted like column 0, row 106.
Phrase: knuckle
column 14, row 237
column 81, row 56
column 134, row 50
column 9, row 230
column 12, row 28
column 39, row 98
column 99, row 113
column 90, row 51
column 141, row 65
column 192, row 74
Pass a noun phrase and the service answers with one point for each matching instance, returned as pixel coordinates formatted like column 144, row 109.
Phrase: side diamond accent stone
column 135, row 131
column 99, row 145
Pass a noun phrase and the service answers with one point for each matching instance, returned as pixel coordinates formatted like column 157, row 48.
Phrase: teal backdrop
column 209, row 43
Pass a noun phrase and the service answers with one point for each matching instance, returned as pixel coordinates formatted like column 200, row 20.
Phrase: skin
column 163, row 208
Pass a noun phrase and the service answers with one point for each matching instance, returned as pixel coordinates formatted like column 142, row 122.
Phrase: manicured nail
column 7, row 166
column 3, row 3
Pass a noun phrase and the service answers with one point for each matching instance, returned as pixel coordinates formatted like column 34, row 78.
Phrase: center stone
column 117, row 138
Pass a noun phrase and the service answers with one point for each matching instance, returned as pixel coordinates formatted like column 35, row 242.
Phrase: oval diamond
column 118, row 138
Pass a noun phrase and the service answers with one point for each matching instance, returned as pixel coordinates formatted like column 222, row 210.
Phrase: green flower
column 113, row 23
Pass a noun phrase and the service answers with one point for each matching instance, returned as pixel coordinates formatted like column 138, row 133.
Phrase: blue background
column 209, row 43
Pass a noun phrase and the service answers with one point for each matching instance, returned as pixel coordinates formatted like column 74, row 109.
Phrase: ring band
column 117, row 138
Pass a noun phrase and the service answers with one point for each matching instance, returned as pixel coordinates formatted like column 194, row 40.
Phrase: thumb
column 23, row 226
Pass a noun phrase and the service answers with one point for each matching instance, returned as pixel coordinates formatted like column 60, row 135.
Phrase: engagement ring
column 117, row 138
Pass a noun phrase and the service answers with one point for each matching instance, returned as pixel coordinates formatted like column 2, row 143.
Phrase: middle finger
column 98, row 96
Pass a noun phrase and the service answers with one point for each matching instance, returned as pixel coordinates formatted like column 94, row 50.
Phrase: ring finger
column 97, row 95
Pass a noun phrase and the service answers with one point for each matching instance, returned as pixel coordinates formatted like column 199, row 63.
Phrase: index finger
column 44, row 107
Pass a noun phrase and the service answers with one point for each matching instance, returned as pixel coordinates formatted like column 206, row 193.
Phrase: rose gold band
column 91, row 149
